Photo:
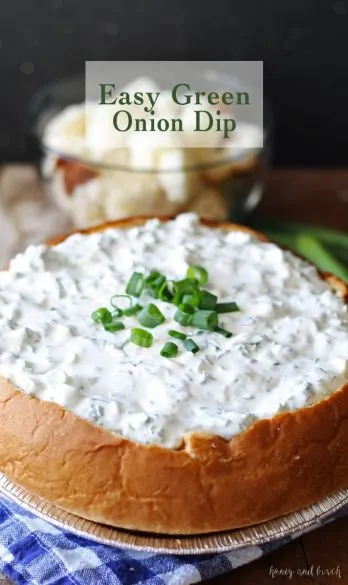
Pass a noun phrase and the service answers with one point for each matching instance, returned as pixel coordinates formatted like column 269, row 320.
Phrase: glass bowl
column 92, row 190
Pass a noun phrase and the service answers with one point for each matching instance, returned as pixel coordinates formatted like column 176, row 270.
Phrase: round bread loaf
column 273, row 467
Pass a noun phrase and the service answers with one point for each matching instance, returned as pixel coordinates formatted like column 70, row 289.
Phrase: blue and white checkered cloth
column 34, row 552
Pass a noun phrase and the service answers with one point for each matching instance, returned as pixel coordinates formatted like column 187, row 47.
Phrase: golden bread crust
column 274, row 467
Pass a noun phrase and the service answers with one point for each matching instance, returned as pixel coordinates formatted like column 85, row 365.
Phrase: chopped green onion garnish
column 227, row 308
column 184, row 316
column 223, row 332
column 141, row 337
column 159, row 280
column 185, row 285
column 116, row 303
column 177, row 334
column 114, row 326
column 169, row 350
column 154, row 282
column 164, row 293
column 186, row 308
column 117, row 313
column 190, row 345
column 135, row 284
column 198, row 273
column 182, row 288
column 102, row 315
column 195, row 307
column 151, row 316
column 132, row 310
column 153, row 276
column 192, row 298
column 207, row 300
column 205, row 320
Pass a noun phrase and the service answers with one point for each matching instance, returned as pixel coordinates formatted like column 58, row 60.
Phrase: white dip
column 289, row 348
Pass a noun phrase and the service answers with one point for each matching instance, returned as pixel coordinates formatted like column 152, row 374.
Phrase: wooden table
column 314, row 197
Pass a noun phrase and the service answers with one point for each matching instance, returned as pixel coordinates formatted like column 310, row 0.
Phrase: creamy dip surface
column 289, row 346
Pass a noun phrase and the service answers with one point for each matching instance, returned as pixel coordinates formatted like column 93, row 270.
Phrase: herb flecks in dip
column 289, row 345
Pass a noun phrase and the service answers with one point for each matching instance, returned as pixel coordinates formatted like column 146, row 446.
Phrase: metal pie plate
column 201, row 544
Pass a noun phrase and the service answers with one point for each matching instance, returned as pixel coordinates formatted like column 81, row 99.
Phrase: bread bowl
column 198, row 481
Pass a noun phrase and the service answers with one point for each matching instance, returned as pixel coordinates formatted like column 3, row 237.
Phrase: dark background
column 303, row 43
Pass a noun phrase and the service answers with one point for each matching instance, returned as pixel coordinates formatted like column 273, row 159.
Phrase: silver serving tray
column 305, row 519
